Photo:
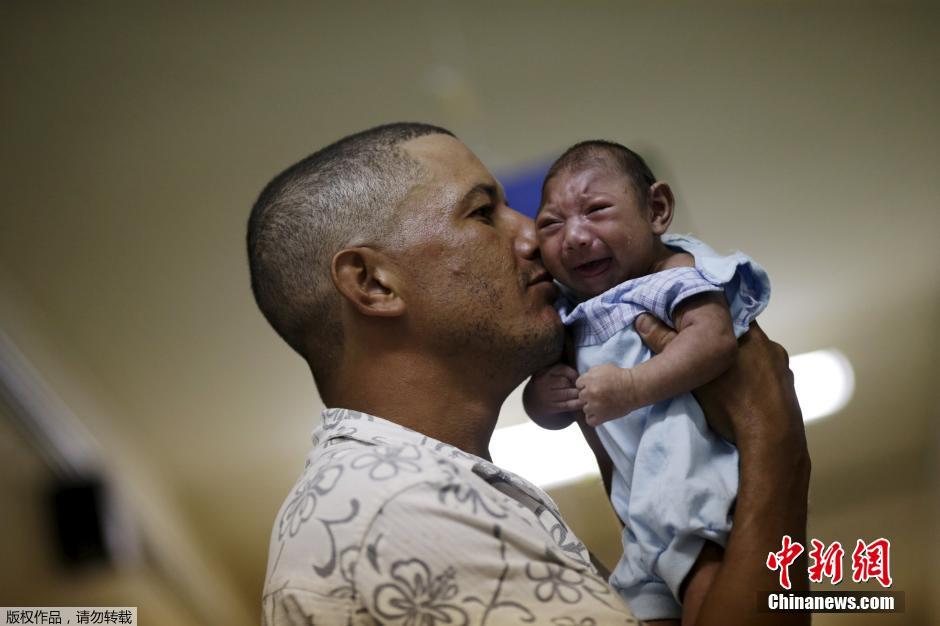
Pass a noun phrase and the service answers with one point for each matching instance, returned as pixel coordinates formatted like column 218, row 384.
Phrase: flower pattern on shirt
column 347, row 568
column 554, row 581
column 461, row 492
column 416, row 598
column 304, row 502
column 389, row 526
column 384, row 462
column 570, row 621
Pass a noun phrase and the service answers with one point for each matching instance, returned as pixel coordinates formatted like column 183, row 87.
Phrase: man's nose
column 525, row 242
column 575, row 235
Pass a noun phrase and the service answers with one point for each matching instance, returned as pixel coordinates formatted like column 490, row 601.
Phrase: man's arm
column 754, row 403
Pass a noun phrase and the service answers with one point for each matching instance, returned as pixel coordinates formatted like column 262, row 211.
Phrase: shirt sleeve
column 662, row 292
column 468, row 561
column 296, row 606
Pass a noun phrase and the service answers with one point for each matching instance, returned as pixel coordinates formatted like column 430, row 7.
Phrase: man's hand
column 551, row 398
column 607, row 392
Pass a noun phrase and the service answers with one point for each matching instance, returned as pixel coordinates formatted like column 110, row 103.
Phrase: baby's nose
column 576, row 236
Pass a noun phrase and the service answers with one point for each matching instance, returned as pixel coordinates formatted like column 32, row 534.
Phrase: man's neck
column 428, row 396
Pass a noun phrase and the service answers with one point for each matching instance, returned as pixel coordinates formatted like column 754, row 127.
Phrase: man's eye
column 597, row 207
column 484, row 213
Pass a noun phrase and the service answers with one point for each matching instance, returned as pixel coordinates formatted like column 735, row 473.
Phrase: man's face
column 593, row 231
column 476, row 285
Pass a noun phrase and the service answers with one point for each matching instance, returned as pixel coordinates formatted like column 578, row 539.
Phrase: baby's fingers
column 564, row 400
column 594, row 413
column 590, row 416
column 565, row 373
column 595, row 419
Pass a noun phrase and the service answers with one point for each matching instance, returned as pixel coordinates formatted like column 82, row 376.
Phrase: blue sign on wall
column 524, row 187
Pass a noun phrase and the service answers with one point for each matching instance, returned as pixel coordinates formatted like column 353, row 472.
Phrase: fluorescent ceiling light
column 547, row 458
column 824, row 383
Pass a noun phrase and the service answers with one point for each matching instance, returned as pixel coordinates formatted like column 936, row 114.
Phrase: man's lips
column 592, row 268
column 539, row 277
column 542, row 280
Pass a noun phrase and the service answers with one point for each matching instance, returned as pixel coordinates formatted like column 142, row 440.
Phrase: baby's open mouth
column 593, row 268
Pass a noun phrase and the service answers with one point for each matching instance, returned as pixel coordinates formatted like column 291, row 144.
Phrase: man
column 391, row 262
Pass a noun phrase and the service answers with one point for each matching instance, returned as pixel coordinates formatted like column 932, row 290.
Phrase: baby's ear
column 661, row 203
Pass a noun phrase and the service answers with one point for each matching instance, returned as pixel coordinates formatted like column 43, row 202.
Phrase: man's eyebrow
column 487, row 189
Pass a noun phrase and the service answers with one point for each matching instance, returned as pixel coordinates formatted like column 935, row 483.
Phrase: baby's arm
column 551, row 398
column 704, row 347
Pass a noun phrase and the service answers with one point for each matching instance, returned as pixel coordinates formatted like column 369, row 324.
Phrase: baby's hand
column 607, row 392
column 552, row 391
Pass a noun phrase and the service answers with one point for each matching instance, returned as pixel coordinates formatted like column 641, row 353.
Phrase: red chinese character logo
column 782, row 560
column 872, row 561
column 826, row 562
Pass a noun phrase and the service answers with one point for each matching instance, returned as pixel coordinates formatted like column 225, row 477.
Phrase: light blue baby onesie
column 674, row 480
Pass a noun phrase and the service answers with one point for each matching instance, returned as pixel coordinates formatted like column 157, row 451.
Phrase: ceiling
column 136, row 139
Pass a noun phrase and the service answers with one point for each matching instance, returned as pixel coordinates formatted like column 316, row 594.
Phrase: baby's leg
column 681, row 494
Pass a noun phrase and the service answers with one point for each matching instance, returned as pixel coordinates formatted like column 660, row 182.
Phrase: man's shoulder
column 358, row 476
column 345, row 486
column 373, row 523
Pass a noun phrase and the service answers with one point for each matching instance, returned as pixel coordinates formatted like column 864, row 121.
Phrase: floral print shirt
column 388, row 526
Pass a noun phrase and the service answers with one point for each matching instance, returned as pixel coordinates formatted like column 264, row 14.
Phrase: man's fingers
column 777, row 353
column 573, row 405
column 558, row 383
column 784, row 360
column 654, row 333
column 565, row 372
column 756, row 333
column 563, row 395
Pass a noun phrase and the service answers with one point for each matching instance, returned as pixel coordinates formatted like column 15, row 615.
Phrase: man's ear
column 367, row 279
column 661, row 203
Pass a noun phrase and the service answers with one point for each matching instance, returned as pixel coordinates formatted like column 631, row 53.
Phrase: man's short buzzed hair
column 603, row 153
column 342, row 195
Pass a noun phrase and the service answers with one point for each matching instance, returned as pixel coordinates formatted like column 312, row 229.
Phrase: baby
column 601, row 229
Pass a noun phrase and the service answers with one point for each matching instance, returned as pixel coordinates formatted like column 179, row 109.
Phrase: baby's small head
column 601, row 217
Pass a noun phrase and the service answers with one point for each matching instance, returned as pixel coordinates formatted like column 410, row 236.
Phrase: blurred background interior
column 140, row 382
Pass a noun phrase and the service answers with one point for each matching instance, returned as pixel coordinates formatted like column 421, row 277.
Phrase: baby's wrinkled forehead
column 575, row 173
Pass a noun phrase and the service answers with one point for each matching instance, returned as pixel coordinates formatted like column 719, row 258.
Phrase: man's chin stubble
column 541, row 349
